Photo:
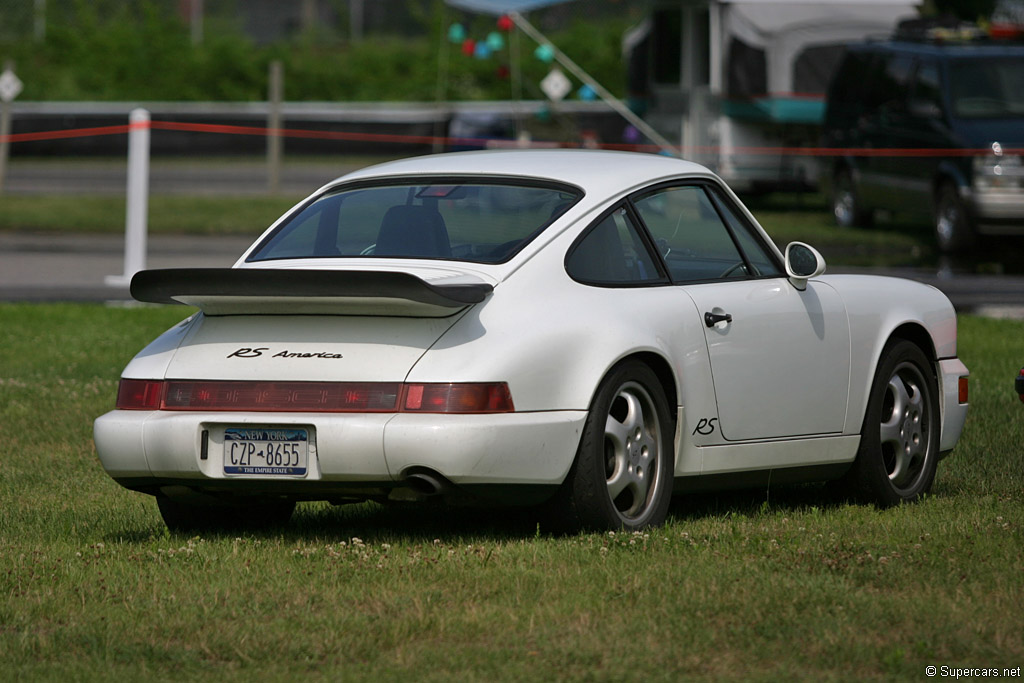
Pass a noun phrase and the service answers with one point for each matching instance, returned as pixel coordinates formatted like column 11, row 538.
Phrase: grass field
column 755, row 586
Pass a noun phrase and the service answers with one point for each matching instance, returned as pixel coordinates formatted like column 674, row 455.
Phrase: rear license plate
column 266, row 451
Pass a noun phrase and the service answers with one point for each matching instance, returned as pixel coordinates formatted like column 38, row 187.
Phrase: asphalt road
column 172, row 176
column 60, row 267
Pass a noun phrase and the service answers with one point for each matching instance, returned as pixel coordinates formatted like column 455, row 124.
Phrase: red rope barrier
column 300, row 133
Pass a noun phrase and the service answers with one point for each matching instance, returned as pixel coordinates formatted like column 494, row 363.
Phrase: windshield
column 989, row 88
column 480, row 221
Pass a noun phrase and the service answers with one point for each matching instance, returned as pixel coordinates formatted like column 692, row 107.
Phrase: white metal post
column 137, row 204
column 274, row 141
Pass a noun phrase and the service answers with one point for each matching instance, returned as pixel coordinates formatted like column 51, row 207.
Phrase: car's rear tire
column 622, row 475
column 952, row 225
column 187, row 517
column 847, row 207
column 899, row 447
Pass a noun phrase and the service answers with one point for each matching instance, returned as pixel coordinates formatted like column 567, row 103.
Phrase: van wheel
column 846, row 205
column 952, row 227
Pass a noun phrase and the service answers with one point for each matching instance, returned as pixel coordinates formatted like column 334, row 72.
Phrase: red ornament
column 505, row 23
column 468, row 47
column 503, row 73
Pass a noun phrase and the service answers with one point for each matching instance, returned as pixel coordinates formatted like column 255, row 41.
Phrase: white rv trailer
column 740, row 84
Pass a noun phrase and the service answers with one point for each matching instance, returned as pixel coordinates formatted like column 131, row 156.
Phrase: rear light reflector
column 962, row 391
column 313, row 397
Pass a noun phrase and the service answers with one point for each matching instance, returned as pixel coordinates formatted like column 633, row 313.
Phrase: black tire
column 185, row 517
column 899, row 446
column 953, row 230
column 847, row 208
column 622, row 475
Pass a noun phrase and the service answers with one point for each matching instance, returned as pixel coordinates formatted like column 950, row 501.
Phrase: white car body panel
column 305, row 348
column 804, row 334
column 784, row 385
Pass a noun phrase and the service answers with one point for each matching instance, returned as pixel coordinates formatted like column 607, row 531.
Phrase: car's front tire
column 847, row 207
column 899, row 447
column 952, row 225
column 622, row 476
column 187, row 517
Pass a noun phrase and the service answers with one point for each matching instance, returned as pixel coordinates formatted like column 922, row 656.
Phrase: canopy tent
column 513, row 9
column 500, row 7
column 781, row 31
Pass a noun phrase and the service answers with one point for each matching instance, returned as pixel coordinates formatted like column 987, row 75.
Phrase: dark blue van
column 934, row 128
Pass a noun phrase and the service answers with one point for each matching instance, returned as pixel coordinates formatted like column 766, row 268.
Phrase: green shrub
column 110, row 51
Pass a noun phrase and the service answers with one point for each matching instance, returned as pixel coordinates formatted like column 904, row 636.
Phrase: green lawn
column 751, row 586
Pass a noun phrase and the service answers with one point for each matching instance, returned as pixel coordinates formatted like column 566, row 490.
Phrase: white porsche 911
column 593, row 329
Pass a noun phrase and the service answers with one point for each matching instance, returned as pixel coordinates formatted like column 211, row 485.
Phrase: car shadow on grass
column 429, row 522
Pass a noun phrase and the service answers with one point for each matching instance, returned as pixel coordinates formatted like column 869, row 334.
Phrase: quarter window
column 612, row 253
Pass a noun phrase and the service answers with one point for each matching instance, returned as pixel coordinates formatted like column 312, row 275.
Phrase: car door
column 780, row 357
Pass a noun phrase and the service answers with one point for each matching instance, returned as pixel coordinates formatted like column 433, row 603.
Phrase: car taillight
column 139, row 394
column 313, row 397
column 493, row 397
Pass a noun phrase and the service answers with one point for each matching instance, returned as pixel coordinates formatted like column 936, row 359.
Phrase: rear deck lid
column 305, row 348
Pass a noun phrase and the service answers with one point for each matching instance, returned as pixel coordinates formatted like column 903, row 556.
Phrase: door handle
column 712, row 319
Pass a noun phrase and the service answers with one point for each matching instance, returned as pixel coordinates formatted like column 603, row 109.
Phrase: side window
column 612, row 252
column 892, row 82
column 690, row 235
column 927, row 89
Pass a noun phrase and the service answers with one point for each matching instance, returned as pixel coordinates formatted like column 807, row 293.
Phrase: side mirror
column 803, row 262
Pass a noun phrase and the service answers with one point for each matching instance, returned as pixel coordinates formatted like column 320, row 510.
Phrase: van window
column 927, row 88
column 890, row 85
column 989, row 88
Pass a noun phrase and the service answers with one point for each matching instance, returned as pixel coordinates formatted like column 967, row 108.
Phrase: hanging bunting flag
column 495, row 41
column 545, row 53
column 456, row 33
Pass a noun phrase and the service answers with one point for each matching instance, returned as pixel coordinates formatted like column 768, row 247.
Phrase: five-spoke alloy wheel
column 622, row 477
column 900, row 439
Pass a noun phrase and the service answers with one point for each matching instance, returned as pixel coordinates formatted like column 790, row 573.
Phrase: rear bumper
column 954, row 413
column 999, row 213
column 143, row 449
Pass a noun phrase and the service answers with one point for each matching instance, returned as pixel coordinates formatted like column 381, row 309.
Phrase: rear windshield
column 480, row 221
column 987, row 88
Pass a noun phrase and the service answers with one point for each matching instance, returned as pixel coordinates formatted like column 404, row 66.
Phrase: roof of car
column 591, row 170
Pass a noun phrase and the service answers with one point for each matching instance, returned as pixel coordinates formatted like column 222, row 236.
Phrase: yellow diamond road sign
column 10, row 86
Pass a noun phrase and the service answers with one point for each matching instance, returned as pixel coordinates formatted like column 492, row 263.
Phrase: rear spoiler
column 232, row 291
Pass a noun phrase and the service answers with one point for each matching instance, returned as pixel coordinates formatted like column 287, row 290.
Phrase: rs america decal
column 246, row 352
